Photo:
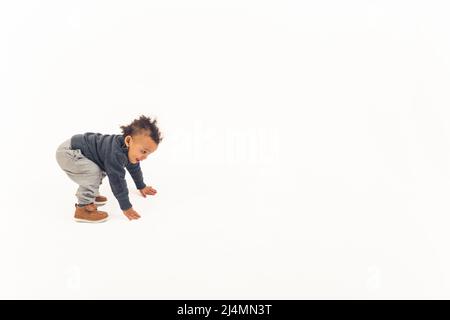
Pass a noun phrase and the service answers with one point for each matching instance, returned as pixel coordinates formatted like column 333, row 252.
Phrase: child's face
column 139, row 147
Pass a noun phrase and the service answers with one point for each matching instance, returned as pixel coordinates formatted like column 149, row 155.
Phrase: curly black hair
column 145, row 124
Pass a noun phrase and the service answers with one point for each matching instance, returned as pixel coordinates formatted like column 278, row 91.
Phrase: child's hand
column 147, row 191
column 131, row 214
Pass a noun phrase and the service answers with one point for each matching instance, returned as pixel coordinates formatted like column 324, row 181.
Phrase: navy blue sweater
column 110, row 153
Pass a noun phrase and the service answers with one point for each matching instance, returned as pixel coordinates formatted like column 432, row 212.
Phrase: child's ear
column 127, row 140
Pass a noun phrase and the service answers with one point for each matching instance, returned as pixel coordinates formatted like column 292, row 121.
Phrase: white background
column 305, row 153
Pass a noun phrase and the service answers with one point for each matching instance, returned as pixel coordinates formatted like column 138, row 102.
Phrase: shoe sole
column 99, row 204
column 90, row 221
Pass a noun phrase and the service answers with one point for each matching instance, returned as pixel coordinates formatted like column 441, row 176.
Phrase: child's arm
column 136, row 173
column 114, row 168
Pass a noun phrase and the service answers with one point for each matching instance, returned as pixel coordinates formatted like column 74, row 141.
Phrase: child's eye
column 144, row 152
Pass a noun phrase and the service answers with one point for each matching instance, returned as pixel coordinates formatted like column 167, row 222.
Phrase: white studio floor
column 306, row 151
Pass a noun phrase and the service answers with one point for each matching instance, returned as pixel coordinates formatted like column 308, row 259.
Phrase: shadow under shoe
column 89, row 213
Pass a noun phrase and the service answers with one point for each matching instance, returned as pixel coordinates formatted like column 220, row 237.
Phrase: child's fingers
column 135, row 215
column 132, row 216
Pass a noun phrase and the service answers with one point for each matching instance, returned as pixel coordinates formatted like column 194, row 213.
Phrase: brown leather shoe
column 89, row 213
column 100, row 200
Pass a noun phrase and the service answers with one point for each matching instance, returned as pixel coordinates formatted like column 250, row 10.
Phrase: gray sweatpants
column 86, row 173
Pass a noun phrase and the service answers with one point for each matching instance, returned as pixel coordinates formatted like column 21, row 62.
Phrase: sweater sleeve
column 115, row 170
column 136, row 173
